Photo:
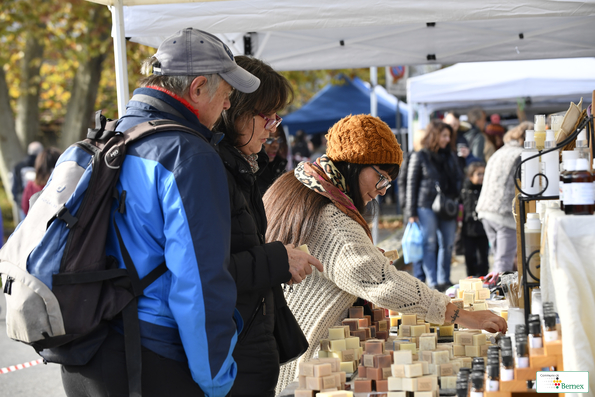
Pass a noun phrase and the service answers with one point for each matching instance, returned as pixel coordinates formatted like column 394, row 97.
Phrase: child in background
column 474, row 237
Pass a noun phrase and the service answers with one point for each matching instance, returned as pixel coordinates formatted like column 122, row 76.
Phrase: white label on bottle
column 582, row 193
column 535, row 342
column 506, row 374
column 567, row 194
column 550, row 336
column 561, row 190
column 493, row 385
column 522, row 362
column 528, row 171
column 476, row 394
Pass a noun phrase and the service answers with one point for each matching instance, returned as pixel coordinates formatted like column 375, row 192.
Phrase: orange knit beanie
column 363, row 139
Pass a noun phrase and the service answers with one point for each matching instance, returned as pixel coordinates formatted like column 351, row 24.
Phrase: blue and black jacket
column 177, row 212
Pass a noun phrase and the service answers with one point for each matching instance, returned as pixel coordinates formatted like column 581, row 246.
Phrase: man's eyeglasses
column 270, row 123
column 383, row 182
column 272, row 139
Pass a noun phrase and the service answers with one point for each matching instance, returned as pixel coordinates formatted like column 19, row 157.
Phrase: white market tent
column 314, row 34
column 500, row 84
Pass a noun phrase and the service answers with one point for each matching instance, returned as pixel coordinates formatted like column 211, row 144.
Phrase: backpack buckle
column 64, row 214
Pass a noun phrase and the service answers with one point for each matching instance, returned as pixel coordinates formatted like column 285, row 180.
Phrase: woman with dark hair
column 321, row 204
column 434, row 166
column 44, row 165
column 258, row 268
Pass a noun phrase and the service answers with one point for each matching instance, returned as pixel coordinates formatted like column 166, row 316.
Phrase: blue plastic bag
column 412, row 243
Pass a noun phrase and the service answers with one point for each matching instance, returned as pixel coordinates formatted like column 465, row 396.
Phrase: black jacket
column 423, row 175
column 257, row 268
column 472, row 226
column 274, row 170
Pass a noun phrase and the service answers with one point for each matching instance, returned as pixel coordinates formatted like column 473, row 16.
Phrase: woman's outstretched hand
column 300, row 264
column 483, row 319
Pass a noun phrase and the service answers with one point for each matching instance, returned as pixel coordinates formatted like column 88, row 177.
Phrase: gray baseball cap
column 191, row 52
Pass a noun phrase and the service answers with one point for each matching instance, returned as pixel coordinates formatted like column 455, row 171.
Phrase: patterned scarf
column 252, row 160
column 324, row 178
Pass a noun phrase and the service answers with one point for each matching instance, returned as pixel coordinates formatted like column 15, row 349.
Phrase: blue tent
column 334, row 102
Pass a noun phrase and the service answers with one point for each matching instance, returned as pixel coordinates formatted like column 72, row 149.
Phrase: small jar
column 535, row 339
column 522, row 355
column 477, row 384
column 520, row 329
column 493, row 378
column 551, row 332
column 505, row 343
column 507, row 371
column 462, row 387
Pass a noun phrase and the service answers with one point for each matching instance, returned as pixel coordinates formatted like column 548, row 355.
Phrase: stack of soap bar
column 470, row 343
column 319, row 375
column 471, row 295
column 341, row 346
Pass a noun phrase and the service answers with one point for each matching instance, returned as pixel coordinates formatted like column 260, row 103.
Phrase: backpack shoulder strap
column 147, row 128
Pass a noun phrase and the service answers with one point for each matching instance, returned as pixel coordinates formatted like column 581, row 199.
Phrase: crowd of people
column 226, row 218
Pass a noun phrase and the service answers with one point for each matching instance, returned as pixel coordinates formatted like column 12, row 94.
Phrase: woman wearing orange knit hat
column 321, row 205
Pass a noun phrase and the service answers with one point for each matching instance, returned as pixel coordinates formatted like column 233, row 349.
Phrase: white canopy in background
column 500, row 84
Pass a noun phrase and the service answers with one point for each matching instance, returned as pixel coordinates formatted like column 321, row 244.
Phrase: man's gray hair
column 179, row 85
column 34, row 148
column 475, row 114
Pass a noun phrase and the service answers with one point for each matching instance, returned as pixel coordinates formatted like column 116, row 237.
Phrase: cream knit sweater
column 353, row 267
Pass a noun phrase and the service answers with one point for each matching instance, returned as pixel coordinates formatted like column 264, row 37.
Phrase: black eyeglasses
column 383, row 182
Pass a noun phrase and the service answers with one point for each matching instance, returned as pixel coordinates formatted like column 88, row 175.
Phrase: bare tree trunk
column 27, row 122
column 82, row 101
column 11, row 150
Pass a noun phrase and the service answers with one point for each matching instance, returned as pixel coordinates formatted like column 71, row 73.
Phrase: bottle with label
column 550, row 166
column 551, row 333
column 463, row 382
column 582, row 147
column 582, row 190
column 507, row 370
column 493, row 376
column 522, row 353
column 477, row 384
column 566, row 155
column 533, row 243
column 540, row 131
column 556, row 123
column 570, row 166
column 529, row 169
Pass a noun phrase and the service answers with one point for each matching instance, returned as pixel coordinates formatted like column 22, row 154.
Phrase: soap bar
column 417, row 330
column 349, row 355
column 483, row 294
column 322, row 369
column 413, row 370
column 362, row 385
column 472, row 351
column 426, row 356
column 398, row 370
column 468, row 297
column 382, row 385
column 477, row 306
column 433, row 369
column 382, row 335
column 396, row 394
column 347, row 366
column 352, row 323
column 339, row 393
column 306, row 368
column 356, row 312
column 368, row 360
column 465, row 339
column 362, row 322
column 337, row 354
column 446, row 330
column 329, row 381
column 367, row 331
column 304, row 393
column 427, row 383
column 392, row 255
column 479, row 339
column 403, row 357
column 304, row 248
column 325, row 345
column 338, row 345
column 409, row 319
column 360, row 334
column 382, row 361
column 466, row 362
column 425, row 367
column 302, row 382
column 446, row 370
column 335, row 333
column 374, row 347
column 352, row 342
column 361, row 371
column 408, row 346
column 386, row 372
column 440, row 357
column 423, row 394
column 395, row 383
column 374, row 373
column 410, row 384
column 315, row 383
column 459, row 350
column 383, row 325
column 378, row 314
column 448, row 382
column 334, row 362
column 483, row 350
column 404, row 330
column 427, row 343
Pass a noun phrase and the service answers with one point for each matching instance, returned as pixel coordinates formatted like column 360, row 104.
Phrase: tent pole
column 374, row 112
column 120, row 55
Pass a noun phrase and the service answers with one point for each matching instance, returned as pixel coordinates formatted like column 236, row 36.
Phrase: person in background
column 276, row 149
column 44, row 165
column 494, row 133
column 434, row 164
column 258, row 268
column 299, row 148
column 475, row 136
column 19, row 175
column 322, row 204
column 494, row 206
column 177, row 213
column 319, row 143
column 473, row 235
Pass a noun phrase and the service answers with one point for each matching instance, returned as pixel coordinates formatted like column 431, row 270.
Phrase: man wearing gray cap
column 177, row 212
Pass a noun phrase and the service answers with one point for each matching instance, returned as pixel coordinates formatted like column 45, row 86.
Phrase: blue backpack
column 60, row 287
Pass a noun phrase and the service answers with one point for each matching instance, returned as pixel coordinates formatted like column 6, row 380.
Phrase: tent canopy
column 336, row 101
column 311, row 34
column 492, row 83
